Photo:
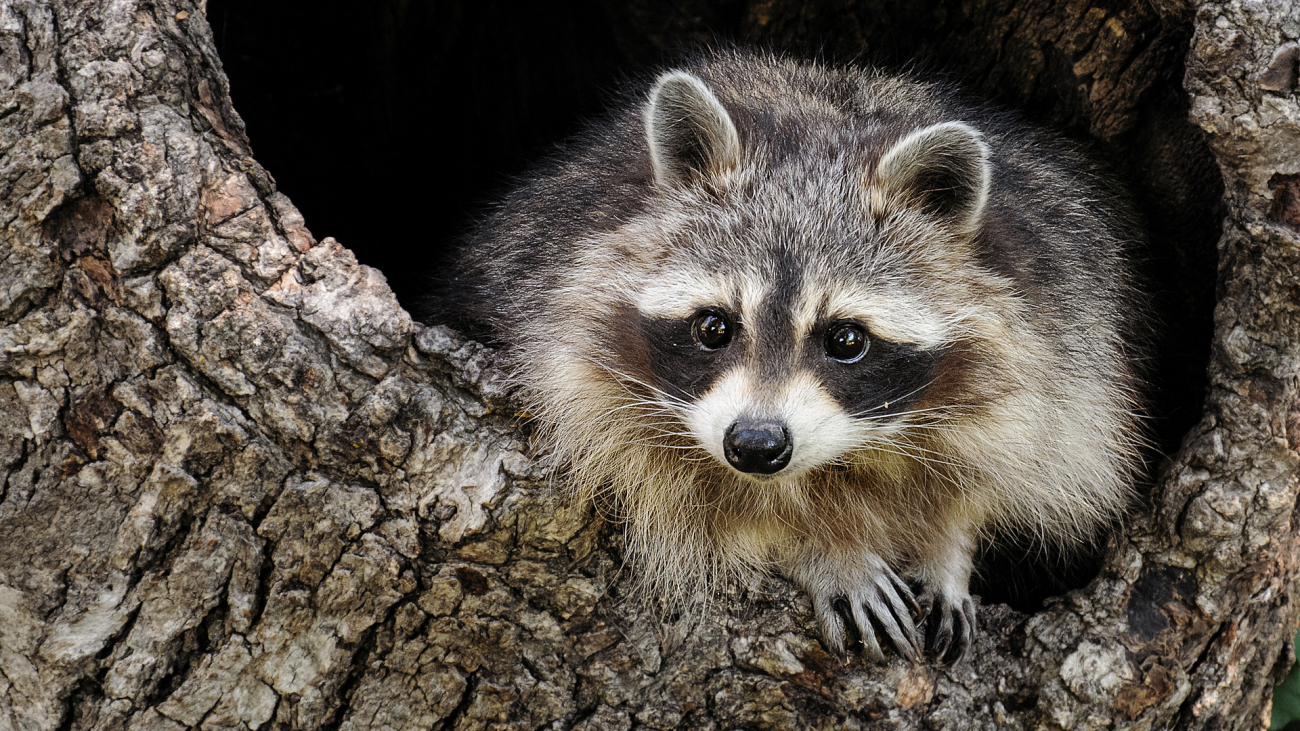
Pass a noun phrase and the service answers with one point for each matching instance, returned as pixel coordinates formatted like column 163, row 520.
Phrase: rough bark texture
column 241, row 488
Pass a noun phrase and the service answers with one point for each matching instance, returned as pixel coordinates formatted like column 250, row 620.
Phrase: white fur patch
column 897, row 317
column 820, row 431
column 682, row 293
column 710, row 416
column 892, row 315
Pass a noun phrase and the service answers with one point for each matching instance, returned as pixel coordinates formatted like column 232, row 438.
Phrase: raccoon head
column 789, row 324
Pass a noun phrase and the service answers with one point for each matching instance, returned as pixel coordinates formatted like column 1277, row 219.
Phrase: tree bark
column 241, row 488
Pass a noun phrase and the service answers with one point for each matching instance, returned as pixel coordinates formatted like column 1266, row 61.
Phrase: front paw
column 881, row 604
column 949, row 625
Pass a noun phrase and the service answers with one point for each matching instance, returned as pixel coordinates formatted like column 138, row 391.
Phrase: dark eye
column 712, row 329
column 846, row 342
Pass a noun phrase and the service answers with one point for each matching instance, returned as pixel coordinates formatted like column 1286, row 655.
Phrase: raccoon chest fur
column 826, row 321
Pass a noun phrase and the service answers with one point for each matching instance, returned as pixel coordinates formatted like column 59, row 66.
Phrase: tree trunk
column 241, row 488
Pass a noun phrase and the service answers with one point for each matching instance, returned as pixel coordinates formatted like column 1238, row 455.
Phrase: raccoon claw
column 832, row 627
column 950, row 627
column 905, row 593
column 886, row 606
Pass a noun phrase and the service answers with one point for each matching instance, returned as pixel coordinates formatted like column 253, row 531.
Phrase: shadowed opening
column 390, row 124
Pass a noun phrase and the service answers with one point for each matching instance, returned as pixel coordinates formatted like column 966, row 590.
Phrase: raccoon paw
column 883, row 604
column 950, row 626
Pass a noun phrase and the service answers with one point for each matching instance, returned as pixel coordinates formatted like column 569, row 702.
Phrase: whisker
column 620, row 377
column 951, row 409
column 905, row 396
column 900, row 450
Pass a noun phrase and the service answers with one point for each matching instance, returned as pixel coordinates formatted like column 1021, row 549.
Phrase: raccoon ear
column 690, row 134
column 943, row 168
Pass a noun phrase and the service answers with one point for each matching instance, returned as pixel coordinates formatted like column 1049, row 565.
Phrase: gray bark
column 241, row 488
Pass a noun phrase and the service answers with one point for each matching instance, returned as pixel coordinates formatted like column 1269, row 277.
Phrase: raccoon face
column 774, row 392
column 780, row 348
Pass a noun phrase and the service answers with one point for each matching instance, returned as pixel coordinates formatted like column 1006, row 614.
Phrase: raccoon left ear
column 943, row 169
column 690, row 134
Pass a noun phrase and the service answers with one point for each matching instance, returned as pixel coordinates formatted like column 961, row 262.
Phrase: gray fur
column 787, row 196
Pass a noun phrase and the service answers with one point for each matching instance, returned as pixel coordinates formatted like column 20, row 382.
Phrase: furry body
column 788, row 213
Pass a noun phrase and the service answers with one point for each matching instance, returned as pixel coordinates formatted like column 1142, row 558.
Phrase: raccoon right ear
column 943, row 169
column 690, row 134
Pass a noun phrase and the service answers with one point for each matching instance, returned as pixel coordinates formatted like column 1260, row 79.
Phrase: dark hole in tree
column 391, row 124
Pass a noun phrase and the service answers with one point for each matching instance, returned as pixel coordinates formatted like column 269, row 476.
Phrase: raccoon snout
column 761, row 447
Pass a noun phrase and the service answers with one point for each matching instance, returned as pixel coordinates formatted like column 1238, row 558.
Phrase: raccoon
column 834, row 322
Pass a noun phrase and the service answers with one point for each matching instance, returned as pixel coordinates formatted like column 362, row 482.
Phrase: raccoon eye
column 846, row 342
column 712, row 329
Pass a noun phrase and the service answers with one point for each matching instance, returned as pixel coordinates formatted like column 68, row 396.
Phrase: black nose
column 757, row 446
